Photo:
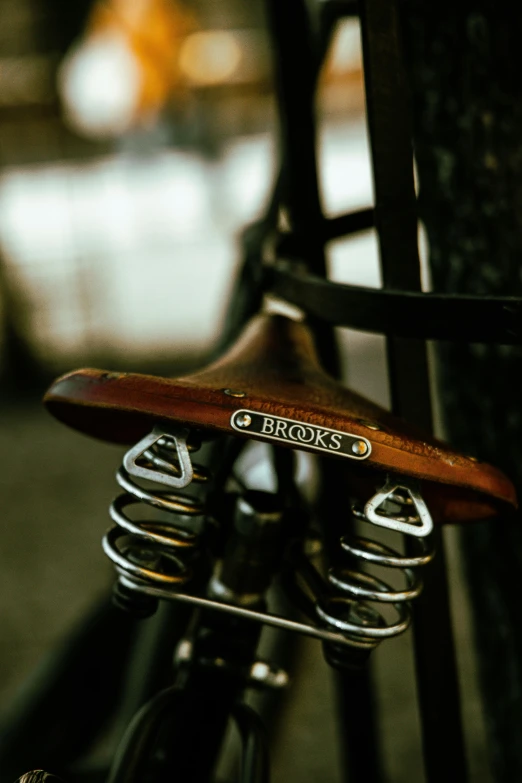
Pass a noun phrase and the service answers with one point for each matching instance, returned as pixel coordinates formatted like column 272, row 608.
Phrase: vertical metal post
column 396, row 222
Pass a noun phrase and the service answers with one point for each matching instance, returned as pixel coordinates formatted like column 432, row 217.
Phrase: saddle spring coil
column 353, row 609
column 156, row 552
column 160, row 552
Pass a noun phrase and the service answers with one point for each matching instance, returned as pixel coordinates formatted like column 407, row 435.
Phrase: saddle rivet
column 234, row 393
column 359, row 447
column 371, row 425
column 244, row 420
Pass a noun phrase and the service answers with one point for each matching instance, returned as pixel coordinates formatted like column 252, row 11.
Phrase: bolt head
column 371, row 425
column 359, row 447
column 364, row 615
column 234, row 393
column 244, row 420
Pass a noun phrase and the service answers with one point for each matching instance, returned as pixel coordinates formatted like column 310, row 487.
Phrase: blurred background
column 137, row 138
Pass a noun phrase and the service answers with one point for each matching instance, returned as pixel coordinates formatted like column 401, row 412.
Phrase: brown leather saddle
column 270, row 386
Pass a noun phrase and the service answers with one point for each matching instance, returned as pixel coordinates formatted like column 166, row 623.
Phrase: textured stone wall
column 465, row 66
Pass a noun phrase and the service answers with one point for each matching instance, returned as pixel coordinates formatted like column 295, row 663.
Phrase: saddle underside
column 272, row 372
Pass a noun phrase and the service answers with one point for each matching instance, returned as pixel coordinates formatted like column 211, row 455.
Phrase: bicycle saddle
column 270, row 386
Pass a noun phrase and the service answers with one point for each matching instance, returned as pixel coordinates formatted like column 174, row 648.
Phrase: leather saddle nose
column 270, row 386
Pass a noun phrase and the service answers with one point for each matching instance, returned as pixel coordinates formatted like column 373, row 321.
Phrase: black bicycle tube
column 255, row 761
column 133, row 755
column 297, row 59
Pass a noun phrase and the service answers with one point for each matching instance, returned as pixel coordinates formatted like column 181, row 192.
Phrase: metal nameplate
column 301, row 434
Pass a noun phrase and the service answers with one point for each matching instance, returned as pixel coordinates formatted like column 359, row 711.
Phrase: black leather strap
column 408, row 314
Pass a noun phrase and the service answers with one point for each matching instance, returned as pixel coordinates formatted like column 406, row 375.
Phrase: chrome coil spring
column 353, row 609
column 156, row 551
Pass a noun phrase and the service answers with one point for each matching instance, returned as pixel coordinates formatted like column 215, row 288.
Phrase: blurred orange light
column 210, row 57
column 125, row 67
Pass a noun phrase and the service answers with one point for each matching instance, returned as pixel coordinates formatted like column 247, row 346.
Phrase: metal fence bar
column 396, row 222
